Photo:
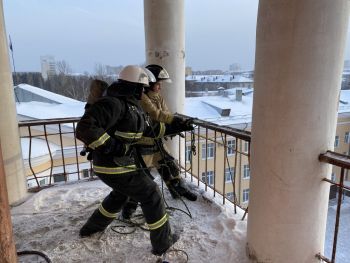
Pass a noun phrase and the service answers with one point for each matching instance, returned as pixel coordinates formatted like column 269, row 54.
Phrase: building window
column 333, row 178
column 86, row 173
column 245, row 195
column 336, row 141
column 346, row 138
column 58, row 178
column 209, row 179
column 246, row 171
column 231, row 147
column 188, row 154
column 229, row 196
column 246, row 147
column 229, row 174
column 208, row 150
column 42, row 182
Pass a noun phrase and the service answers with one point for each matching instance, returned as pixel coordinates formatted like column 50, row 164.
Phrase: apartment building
column 48, row 66
column 222, row 161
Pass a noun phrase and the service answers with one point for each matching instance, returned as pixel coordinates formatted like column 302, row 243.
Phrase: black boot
column 96, row 223
column 128, row 209
column 181, row 188
column 190, row 195
column 159, row 252
column 172, row 190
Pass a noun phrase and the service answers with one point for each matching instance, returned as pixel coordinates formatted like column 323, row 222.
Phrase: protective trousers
column 142, row 189
column 164, row 163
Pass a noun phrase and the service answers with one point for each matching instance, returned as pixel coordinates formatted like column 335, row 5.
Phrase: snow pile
column 50, row 221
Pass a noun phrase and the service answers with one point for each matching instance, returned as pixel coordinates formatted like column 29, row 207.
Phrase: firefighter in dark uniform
column 110, row 128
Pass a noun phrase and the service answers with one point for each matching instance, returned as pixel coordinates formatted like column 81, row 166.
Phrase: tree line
column 72, row 86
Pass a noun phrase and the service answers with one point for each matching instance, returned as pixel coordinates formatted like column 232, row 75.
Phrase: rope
column 129, row 224
column 170, row 208
column 193, row 150
column 33, row 252
column 169, row 251
column 164, row 154
column 233, row 179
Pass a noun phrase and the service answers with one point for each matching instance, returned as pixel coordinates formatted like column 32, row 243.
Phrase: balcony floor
column 50, row 221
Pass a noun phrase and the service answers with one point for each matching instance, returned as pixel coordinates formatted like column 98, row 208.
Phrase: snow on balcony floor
column 50, row 221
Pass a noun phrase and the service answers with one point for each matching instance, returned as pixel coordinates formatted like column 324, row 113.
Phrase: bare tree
column 100, row 71
column 63, row 67
column 73, row 92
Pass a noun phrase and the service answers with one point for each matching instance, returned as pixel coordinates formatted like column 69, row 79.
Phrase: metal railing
column 218, row 156
column 208, row 151
column 342, row 161
column 46, row 163
column 64, row 163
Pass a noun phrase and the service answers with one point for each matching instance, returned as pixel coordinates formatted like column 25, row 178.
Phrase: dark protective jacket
column 111, row 127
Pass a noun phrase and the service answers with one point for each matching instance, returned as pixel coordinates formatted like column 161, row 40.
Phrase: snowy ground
column 50, row 221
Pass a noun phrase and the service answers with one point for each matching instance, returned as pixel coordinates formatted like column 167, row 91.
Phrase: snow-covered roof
column 219, row 78
column 240, row 111
column 344, row 101
column 205, row 107
column 38, row 148
column 42, row 110
column 46, row 94
column 53, row 106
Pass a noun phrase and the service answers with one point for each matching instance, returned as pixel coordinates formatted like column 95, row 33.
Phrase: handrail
column 337, row 159
column 47, row 121
column 342, row 161
column 241, row 134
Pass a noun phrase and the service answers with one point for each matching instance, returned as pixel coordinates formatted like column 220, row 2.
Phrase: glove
column 177, row 118
column 179, row 125
column 114, row 147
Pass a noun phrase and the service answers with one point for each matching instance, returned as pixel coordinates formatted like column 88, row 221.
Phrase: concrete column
column 165, row 46
column 7, row 244
column 9, row 132
column 298, row 67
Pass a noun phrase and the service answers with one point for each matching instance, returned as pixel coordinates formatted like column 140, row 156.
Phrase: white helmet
column 151, row 77
column 134, row 74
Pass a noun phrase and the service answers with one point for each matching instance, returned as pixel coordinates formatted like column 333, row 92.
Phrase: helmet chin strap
column 138, row 92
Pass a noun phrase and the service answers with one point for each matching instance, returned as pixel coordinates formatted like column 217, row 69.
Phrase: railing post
column 7, row 245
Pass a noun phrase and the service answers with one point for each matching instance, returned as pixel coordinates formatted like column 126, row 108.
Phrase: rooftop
column 219, row 78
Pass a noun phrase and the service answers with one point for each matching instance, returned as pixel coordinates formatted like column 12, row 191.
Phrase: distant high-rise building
column 235, row 67
column 48, row 66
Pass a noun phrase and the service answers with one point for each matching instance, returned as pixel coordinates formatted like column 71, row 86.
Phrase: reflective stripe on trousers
column 115, row 170
column 106, row 213
column 159, row 223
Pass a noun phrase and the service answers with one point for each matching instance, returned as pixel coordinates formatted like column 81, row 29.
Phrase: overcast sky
column 90, row 32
